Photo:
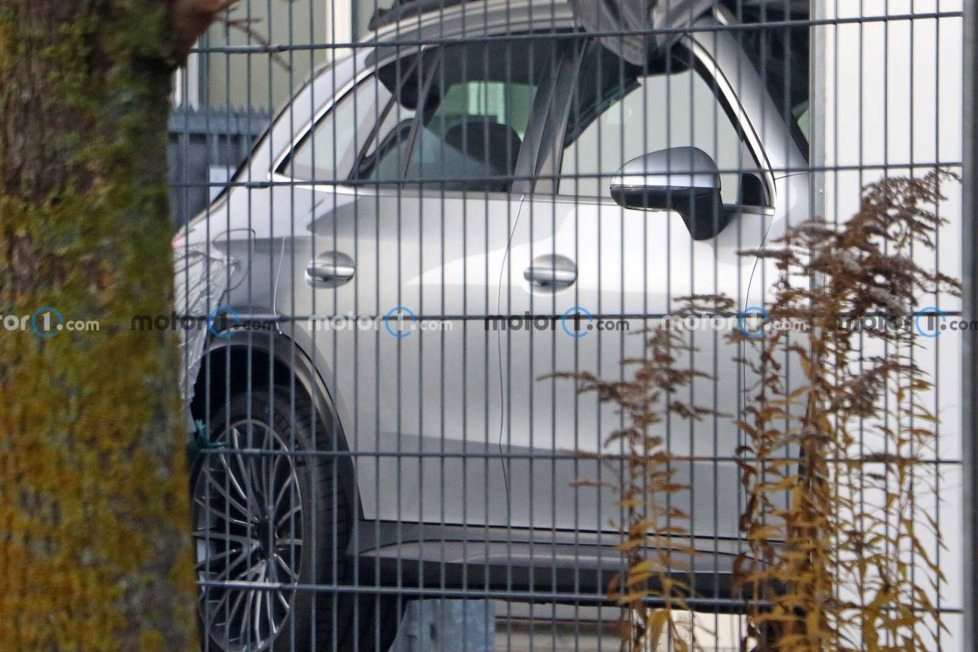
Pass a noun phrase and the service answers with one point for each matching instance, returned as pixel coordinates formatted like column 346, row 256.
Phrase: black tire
column 298, row 537
column 379, row 616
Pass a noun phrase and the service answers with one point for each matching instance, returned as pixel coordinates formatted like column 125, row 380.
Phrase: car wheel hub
column 247, row 517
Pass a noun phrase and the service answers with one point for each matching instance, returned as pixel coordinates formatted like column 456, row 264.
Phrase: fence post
column 969, row 416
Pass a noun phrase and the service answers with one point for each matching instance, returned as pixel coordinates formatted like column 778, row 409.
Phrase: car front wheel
column 270, row 523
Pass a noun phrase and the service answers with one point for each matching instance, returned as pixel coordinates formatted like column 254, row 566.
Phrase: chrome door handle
column 555, row 272
column 330, row 269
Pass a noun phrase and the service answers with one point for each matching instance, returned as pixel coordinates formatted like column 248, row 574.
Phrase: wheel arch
column 274, row 360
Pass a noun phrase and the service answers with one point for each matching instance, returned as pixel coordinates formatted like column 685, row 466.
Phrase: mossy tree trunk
column 94, row 527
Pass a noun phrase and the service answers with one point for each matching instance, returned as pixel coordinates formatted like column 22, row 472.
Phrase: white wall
column 258, row 81
column 893, row 99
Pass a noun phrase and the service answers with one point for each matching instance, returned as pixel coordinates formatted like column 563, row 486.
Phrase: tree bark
column 94, row 526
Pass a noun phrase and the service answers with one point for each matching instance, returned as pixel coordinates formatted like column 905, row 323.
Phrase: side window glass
column 476, row 113
column 473, row 138
column 651, row 112
column 387, row 151
column 327, row 154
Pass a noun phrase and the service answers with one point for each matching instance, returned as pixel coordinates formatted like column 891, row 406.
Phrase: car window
column 385, row 154
column 477, row 109
column 474, row 136
column 782, row 57
column 327, row 153
column 620, row 112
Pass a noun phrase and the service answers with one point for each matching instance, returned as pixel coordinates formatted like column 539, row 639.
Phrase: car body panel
column 423, row 403
column 448, row 426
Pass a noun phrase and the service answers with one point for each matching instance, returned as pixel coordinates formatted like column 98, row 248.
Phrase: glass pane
column 477, row 107
column 657, row 112
column 384, row 158
column 328, row 154
column 472, row 140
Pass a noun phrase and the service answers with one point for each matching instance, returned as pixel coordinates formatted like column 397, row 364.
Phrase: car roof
column 437, row 19
column 404, row 9
column 409, row 15
column 400, row 9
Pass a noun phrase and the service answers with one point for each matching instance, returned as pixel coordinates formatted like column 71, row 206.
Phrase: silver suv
column 484, row 196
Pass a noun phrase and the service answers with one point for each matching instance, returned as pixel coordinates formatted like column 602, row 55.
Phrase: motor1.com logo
column 46, row 323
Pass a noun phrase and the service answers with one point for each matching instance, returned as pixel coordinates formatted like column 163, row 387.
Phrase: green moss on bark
column 94, row 546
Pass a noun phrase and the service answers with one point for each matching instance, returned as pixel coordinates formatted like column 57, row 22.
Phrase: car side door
column 591, row 276
column 417, row 221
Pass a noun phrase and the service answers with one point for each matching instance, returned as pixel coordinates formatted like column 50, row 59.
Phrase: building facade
column 232, row 85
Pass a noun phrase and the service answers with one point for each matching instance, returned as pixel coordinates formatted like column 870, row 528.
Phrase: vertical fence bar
column 969, row 376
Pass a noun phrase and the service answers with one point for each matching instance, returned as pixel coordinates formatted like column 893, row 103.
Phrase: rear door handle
column 554, row 272
column 330, row 269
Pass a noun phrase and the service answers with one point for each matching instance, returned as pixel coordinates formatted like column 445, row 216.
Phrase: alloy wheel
column 247, row 520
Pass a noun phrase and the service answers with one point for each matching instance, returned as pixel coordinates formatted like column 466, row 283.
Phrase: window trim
column 278, row 169
column 732, row 104
column 353, row 177
column 351, row 86
column 548, row 77
column 553, row 122
column 707, row 67
column 436, row 59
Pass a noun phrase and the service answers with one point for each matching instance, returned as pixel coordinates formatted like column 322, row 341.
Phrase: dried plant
column 651, row 589
column 833, row 465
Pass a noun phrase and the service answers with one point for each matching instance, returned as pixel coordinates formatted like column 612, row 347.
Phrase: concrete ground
column 588, row 629
column 478, row 626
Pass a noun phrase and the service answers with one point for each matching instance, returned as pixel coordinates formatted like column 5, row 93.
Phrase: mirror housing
column 681, row 179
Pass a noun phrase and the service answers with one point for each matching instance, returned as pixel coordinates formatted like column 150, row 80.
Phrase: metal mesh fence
column 457, row 209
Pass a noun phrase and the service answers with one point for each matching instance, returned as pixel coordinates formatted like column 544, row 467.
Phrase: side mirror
column 682, row 179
